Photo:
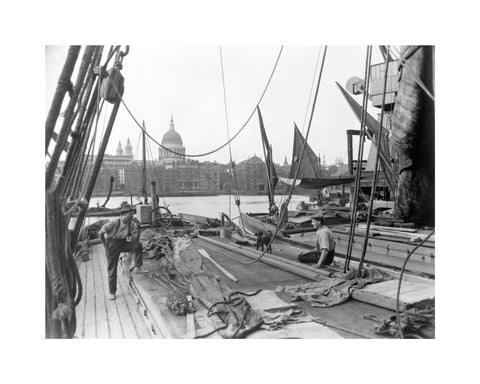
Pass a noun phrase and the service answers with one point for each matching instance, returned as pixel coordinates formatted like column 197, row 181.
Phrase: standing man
column 121, row 235
column 324, row 250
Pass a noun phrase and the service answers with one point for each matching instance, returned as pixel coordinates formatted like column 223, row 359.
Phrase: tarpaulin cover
column 332, row 291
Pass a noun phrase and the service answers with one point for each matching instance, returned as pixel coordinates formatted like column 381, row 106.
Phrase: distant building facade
column 251, row 176
column 174, row 174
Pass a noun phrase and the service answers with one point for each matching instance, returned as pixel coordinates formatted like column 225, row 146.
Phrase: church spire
column 172, row 124
column 285, row 163
column 119, row 149
column 128, row 148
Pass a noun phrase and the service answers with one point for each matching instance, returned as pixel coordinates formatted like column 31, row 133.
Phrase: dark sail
column 267, row 151
column 308, row 176
column 309, row 165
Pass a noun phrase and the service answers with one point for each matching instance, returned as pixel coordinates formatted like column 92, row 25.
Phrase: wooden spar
column 279, row 262
column 144, row 169
column 298, row 230
column 223, row 270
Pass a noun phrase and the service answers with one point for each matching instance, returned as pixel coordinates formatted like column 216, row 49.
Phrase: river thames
column 210, row 206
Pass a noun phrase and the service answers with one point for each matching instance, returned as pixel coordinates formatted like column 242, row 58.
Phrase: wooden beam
column 279, row 262
column 223, row 270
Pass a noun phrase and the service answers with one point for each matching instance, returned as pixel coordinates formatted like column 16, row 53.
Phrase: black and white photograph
column 237, row 192
column 240, row 192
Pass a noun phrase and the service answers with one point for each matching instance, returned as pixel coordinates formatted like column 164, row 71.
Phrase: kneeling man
column 324, row 250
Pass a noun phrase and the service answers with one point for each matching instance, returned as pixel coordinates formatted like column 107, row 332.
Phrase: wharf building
column 251, row 176
column 173, row 173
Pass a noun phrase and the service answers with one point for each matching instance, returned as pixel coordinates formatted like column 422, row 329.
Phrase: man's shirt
column 117, row 229
column 324, row 239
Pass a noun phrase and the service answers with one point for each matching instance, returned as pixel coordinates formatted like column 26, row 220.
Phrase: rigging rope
column 282, row 214
column 353, row 214
column 397, row 306
column 223, row 145
column 63, row 85
column 63, row 283
column 67, row 121
column 375, row 172
column 228, row 129
column 282, row 198
column 81, row 134
column 91, row 151
column 419, row 81
column 75, row 155
column 311, row 89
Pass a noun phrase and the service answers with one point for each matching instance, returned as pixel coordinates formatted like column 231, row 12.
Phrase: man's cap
column 317, row 216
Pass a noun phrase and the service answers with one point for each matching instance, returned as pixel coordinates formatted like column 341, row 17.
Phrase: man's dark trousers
column 114, row 248
column 314, row 257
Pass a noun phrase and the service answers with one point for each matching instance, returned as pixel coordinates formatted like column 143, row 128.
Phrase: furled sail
column 413, row 137
column 272, row 178
column 308, row 176
column 317, row 183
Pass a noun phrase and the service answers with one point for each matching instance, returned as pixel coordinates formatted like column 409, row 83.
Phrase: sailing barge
column 221, row 285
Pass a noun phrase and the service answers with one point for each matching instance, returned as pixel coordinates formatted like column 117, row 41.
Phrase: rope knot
column 62, row 312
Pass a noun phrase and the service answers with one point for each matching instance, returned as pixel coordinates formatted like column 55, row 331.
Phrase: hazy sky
column 186, row 82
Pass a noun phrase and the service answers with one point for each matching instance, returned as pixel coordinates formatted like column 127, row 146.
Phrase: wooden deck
column 140, row 311
column 343, row 321
column 101, row 318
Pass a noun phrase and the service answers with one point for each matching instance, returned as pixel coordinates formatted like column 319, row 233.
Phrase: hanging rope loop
column 223, row 145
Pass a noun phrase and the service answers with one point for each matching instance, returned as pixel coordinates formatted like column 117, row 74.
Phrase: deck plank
column 103, row 329
column 410, row 295
column 89, row 326
column 122, row 306
column 102, row 318
column 131, row 322
column 80, row 309
column 115, row 325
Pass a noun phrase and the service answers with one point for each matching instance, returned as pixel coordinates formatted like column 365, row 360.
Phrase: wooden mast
column 144, row 169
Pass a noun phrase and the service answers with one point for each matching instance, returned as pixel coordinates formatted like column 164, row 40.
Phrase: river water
column 210, row 206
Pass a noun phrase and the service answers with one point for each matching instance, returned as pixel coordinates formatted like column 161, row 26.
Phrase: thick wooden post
column 144, row 169
column 154, row 195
